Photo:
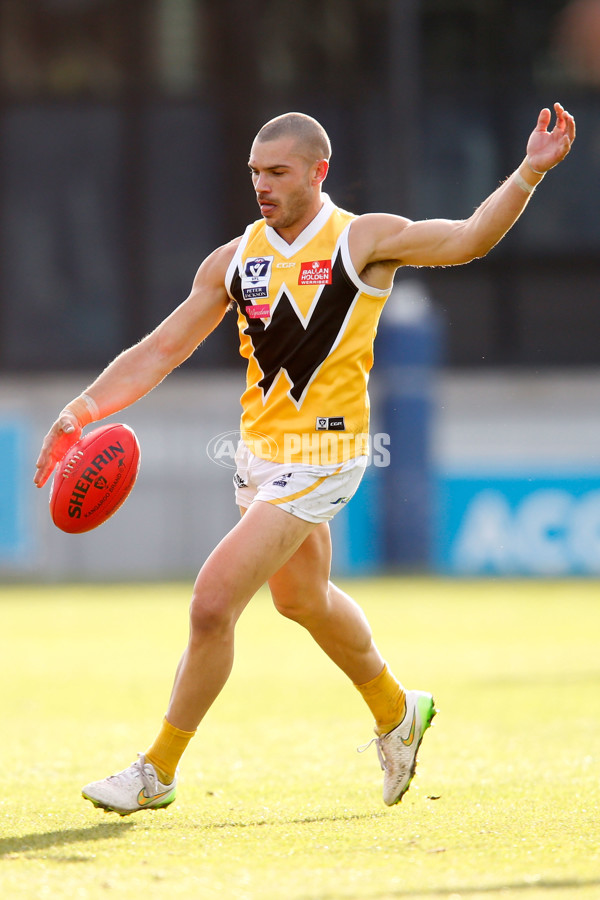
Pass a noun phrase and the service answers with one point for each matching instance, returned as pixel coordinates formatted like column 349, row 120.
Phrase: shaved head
column 311, row 138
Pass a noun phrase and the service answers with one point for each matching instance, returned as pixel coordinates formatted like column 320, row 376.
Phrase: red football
column 94, row 478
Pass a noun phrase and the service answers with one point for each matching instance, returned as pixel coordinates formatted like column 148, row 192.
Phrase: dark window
column 125, row 129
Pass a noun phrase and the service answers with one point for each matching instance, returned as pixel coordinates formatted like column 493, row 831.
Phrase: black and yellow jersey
column 307, row 325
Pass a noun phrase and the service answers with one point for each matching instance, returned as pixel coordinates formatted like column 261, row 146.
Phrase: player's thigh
column 303, row 581
column 263, row 541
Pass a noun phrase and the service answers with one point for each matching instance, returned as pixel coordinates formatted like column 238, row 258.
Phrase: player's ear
column 320, row 171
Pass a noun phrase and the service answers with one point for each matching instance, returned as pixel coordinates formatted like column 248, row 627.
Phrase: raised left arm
column 380, row 238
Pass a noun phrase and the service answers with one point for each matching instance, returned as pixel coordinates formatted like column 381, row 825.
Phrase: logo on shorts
column 339, row 500
column 330, row 423
column 256, row 277
column 239, row 481
column 283, row 480
column 316, row 272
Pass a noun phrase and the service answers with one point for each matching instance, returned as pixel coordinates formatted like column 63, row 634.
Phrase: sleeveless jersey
column 307, row 325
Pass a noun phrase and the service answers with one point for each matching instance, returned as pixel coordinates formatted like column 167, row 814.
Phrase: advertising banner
column 517, row 524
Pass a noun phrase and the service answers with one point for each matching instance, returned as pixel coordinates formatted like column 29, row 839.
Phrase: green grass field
column 274, row 802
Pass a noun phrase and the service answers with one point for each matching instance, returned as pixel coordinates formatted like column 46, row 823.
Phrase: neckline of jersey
column 288, row 250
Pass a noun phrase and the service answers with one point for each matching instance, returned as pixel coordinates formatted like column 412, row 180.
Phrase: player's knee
column 298, row 605
column 211, row 612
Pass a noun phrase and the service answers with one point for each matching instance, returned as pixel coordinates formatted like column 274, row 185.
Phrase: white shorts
column 313, row 493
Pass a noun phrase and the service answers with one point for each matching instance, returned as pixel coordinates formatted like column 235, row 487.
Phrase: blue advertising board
column 14, row 498
column 517, row 524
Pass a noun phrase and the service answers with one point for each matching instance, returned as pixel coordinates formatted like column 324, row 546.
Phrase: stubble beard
column 295, row 208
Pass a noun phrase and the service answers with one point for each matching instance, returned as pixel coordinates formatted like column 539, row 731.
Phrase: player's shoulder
column 378, row 222
column 214, row 267
column 370, row 232
column 225, row 253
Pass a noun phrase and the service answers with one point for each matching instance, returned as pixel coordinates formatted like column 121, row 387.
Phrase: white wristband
column 536, row 171
column 92, row 406
column 524, row 185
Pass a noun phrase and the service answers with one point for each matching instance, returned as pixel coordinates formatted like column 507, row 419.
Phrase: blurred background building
column 124, row 132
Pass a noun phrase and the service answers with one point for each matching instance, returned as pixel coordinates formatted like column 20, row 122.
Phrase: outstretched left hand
column 546, row 149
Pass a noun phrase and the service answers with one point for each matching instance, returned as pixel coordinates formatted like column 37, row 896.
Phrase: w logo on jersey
column 290, row 344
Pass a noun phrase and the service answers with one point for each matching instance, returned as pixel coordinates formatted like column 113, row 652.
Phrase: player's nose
column 261, row 184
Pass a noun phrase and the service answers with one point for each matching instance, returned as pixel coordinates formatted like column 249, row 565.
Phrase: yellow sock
column 385, row 698
column 167, row 750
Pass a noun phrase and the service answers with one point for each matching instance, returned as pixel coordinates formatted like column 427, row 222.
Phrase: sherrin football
column 94, row 478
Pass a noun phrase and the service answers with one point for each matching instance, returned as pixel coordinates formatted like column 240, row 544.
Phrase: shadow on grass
column 544, row 884
column 307, row 820
column 33, row 843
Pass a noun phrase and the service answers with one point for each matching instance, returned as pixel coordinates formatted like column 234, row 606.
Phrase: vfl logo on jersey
column 256, row 277
column 316, row 272
column 330, row 423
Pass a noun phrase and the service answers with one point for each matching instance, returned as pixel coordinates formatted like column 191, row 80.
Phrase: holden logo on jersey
column 256, row 277
column 316, row 272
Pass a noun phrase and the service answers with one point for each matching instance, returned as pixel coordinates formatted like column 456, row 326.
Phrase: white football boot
column 131, row 790
column 397, row 750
